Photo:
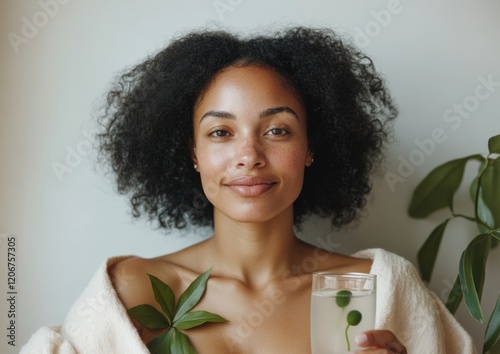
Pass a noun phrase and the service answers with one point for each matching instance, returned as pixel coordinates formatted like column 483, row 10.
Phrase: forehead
column 257, row 86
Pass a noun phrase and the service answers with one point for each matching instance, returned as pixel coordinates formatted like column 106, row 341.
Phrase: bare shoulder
column 131, row 282
column 337, row 262
column 354, row 264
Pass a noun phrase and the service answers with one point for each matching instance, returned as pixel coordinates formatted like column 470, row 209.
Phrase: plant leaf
column 455, row 297
column 496, row 348
column 427, row 254
column 494, row 144
column 469, row 261
column 163, row 295
column 437, row 189
column 489, row 195
column 180, row 343
column 473, row 189
column 148, row 316
column 492, row 332
column 496, row 234
column 161, row 344
column 481, row 251
column 192, row 295
column 197, row 318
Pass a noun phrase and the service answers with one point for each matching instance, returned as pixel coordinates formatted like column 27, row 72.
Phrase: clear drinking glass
column 342, row 306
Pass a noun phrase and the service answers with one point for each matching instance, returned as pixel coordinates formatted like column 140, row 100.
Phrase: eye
column 278, row 131
column 218, row 133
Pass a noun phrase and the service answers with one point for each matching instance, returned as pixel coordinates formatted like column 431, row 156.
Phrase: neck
column 254, row 253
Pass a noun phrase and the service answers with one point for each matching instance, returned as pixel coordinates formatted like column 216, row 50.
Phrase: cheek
column 211, row 166
column 210, row 160
column 293, row 158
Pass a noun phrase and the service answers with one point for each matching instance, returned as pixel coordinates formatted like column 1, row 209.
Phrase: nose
column 250, row 154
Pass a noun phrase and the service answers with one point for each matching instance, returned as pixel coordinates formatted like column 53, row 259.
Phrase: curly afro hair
column 148, row 121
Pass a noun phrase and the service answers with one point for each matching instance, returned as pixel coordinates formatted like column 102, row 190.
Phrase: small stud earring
column 195, row 166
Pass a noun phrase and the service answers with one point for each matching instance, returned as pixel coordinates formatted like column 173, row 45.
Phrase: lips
column 250, row 186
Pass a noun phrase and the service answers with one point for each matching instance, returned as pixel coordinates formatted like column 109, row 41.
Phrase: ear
column 309, row 158
column 194, row 158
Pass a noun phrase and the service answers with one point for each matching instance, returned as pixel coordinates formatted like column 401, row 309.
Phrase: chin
column 256, row 214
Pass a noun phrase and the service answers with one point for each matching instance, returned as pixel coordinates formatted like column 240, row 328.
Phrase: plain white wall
column 53, row 75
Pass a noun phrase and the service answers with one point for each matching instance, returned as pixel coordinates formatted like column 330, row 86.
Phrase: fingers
column 373, row 351
column 384, row 340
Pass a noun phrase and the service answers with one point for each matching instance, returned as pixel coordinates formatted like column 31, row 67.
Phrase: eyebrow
column 267, row 113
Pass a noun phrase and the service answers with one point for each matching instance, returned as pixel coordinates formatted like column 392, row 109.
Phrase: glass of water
column 342, row 306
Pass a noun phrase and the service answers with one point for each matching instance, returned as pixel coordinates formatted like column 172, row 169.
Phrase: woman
column 271, row 129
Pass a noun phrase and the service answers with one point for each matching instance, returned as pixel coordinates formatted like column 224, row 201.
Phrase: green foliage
column 436, row 191
column 174, row 318
column 493, row 328
column 455, row 297
column 427, row 254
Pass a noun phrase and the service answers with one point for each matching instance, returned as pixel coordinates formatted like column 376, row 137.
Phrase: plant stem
column 470, row 218
column 347, row 337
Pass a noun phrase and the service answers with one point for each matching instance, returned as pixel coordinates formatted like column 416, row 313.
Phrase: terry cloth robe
column 98, row 322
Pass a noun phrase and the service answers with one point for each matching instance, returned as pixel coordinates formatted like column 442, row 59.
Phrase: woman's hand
column 379, row 342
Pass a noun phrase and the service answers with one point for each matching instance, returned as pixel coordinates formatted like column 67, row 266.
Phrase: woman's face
column 250, row 143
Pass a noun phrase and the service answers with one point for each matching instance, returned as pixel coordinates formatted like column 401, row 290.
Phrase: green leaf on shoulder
column 148, row 316
column 180, row 343
column 190, row 297
column 163, row 295
column 173, row 341
column 161, row 344
column 197, row 318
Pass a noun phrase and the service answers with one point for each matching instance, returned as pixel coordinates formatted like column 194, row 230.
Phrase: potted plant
column 437, row 191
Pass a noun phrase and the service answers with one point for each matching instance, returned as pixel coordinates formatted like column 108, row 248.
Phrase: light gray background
column 431, row 53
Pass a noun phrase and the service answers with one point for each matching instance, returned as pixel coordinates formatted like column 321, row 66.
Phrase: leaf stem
column 347, row 337
column 470, row 218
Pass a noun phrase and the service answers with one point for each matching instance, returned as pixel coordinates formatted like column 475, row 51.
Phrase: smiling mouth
column 250, row 186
